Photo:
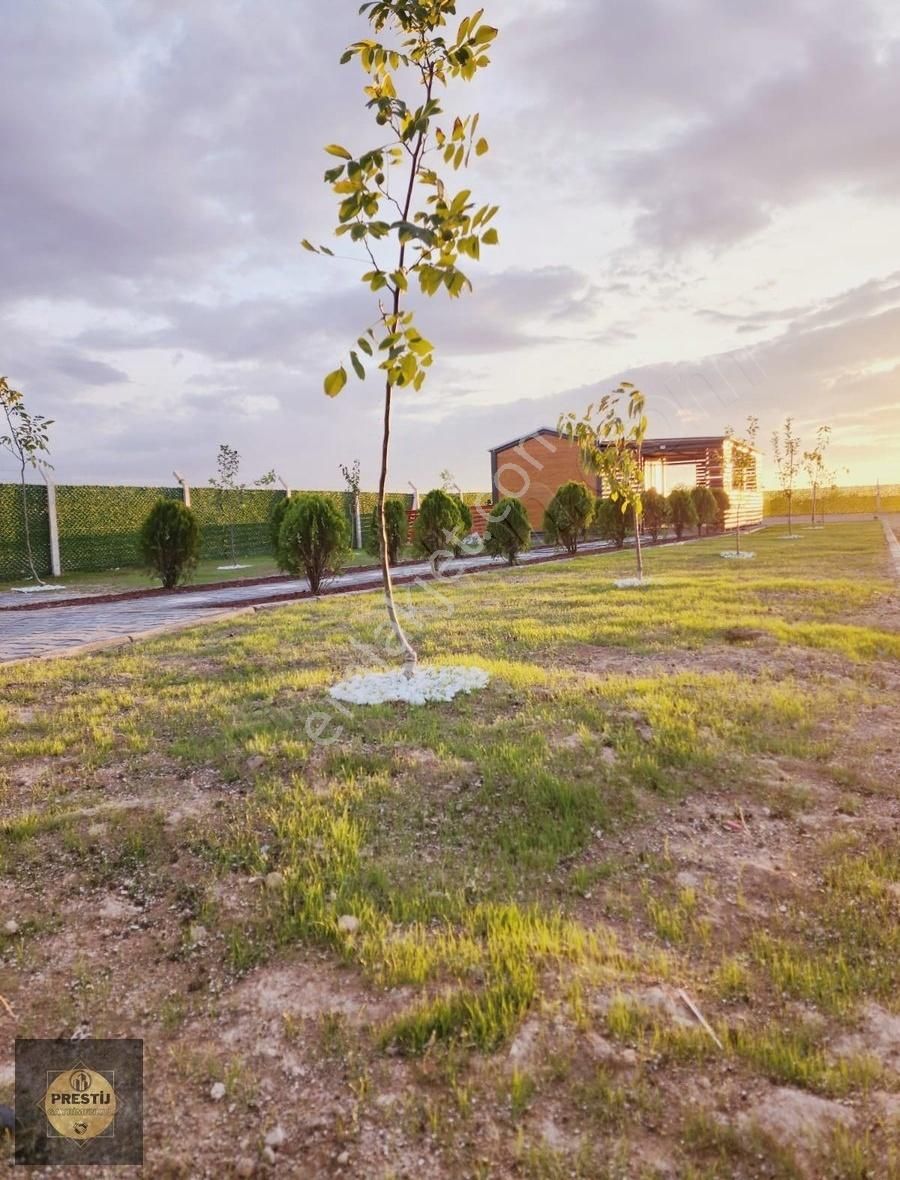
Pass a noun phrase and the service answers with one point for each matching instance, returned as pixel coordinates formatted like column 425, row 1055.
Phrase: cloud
column 167, row 161
column 87, row 371
column 830, row 123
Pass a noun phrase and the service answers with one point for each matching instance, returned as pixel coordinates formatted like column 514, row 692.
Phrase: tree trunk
column 814, row 506
column 27, row 530
column 410, row 659
column 357, row 523
column 637, row 546
column 737, row 529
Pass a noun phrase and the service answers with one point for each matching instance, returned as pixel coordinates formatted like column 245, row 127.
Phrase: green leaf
column 481, row 146
column 357, row 366
column 336, row 381
column 365, row 345
column 490, row 237
column 335, row 149
column 309, row 246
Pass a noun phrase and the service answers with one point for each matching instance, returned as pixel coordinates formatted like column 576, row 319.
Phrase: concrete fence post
column 185, row 489
column 53, row 522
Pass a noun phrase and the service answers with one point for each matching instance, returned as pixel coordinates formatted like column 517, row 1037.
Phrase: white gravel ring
column 735, row 556
column 632, row 583
column 425, row 684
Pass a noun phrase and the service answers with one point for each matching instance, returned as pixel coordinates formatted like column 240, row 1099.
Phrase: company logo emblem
column 80, row 1104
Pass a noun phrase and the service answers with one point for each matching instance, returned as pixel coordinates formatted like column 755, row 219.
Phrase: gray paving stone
column 56, row 630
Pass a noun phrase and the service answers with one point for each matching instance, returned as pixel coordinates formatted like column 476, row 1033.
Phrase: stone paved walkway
column 62, row 630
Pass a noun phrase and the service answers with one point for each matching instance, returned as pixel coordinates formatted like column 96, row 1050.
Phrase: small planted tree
column 815, row 469
column 786, row 450
column 351, row 479
column 743, row 468
column 396, row 205
column 313, row 540
column 438, row 528
column 706, row 508
column 611, row 523
column 395, row 530
column 656, row 512
column 228, row 487
column 170, row 542
column 828, row 487
column 27, row 439
column 610, row 445
column 568, row 514
column 509, row 530
column 682, row 512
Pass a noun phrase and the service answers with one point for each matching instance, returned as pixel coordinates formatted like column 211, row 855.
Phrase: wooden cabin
column 532, row 467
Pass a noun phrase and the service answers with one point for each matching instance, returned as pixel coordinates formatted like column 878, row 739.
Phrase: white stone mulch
column 35, row 589
column 425, row 684
column 733, row 554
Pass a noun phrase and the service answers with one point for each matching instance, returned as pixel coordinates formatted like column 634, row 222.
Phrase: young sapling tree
column 786, row 453
column 814, row 468
column 610, row 446
column 396, row 205
column 351, row 479
column 743, row 468
column 227, row 479
column 27, row 439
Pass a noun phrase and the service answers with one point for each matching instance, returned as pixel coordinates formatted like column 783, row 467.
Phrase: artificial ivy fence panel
column 13, row 553
column 243, row 515
column 864, row 500
column 100, row 525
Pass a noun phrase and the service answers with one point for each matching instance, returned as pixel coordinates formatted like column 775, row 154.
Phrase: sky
column 700, row 197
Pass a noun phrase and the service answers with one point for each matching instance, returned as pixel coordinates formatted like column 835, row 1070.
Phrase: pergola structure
column 533, row 466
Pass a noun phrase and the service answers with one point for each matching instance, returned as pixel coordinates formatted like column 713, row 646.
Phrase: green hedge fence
column 99, row 525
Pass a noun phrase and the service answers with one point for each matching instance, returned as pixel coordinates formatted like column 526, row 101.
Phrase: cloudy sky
column 699, row 196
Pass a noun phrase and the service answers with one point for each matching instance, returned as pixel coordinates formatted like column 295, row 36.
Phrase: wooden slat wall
column 751, row 508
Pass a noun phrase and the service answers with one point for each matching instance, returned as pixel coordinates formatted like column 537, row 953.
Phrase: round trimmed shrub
column 509, row 530
column 723, row 503
column 655, row 515
column 706, row 507
column 465, row 515
column 170, row 542
column 397, row 528
column 568, row 514
column 314, row 539
column 682, row 512
column 439, row 526
column 611, row 523
column 276, row 516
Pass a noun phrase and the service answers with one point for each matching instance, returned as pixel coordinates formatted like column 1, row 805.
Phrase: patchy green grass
column 508, row 860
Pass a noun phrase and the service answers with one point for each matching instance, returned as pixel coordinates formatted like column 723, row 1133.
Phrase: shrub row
column 575, row 512
column 310, row 536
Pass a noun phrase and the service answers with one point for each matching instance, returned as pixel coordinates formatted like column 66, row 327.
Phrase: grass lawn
column 120, row 580
column 452, row 940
